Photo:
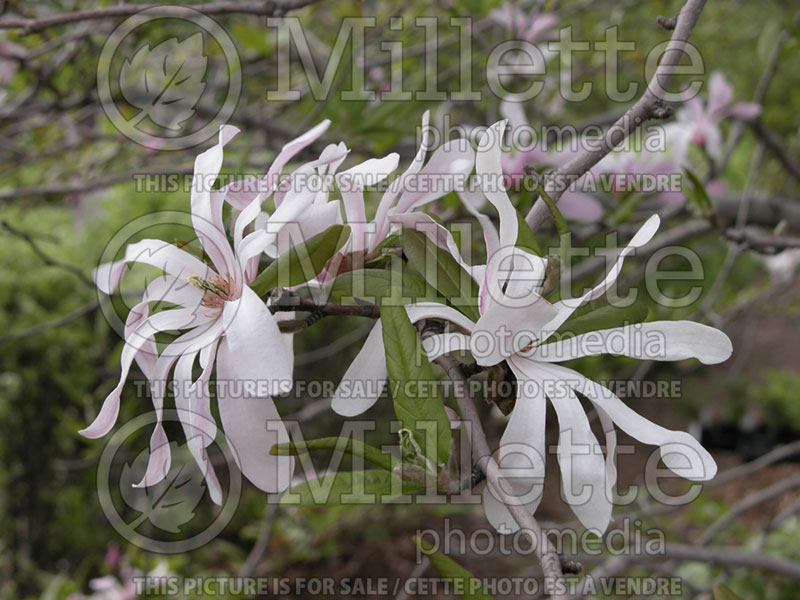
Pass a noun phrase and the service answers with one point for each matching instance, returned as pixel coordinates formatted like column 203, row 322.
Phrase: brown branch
column 633, row 118
column 371, row 311
column 272, row 8
column 747, row 503
column 773, row 142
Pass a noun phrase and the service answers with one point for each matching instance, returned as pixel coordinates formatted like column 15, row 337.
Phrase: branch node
column 667, row 23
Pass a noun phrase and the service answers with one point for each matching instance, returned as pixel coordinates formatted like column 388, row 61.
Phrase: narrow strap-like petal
column 656, row 340
column 681, row 452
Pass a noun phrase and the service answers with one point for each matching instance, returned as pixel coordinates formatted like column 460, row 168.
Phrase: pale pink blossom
column 224, row 324
column 510, row 303
column 699, row 121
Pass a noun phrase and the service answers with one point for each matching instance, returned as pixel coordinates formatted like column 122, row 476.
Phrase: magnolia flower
column 514, row 325
column 529, row 27
column 574, row 203
column 446, row 170
column 698, row 122
column 224, row 324
column 623, row 170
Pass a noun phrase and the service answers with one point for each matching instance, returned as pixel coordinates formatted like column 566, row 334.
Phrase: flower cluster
column 216, row 302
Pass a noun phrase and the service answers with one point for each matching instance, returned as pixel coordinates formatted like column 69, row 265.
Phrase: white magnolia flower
column 514, row 325
column 224, row 324
column 418, row 185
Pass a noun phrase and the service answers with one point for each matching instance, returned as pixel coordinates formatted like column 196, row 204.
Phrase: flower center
column 217, row 289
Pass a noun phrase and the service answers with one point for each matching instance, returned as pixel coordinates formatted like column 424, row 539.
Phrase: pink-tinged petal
column 243, row 219
column 580, row 457
column 447, row 169
column 744, row 110
column 160, row 459
column 365, row 378
column 139, row 337
column 568, row 306
column 656, row 340
column 453, row 417
column 107, row 276
column 720, row 94
column 156, row 253
column 579, row 206
column 331, row 158
column 539, row 27
column 351, row 185
column 680, row 452
column 521, row 454
column 148, row 353
column 207, row 215
column 198, row 429
column 314, row 220
column 488, row 165
column 398, row 185
column 438, row 345
column 240, row 193
column 290, row 150
column 254, row 340
column 712, row 140
column 252, row 426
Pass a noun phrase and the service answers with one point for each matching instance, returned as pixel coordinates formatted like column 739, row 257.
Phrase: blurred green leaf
column 698, row 195
column 723, row 592
column 464, row 583
column 348, row 487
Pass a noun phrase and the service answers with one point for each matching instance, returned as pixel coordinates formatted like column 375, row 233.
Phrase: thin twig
column 48, row 260
column 271, row 8
column 633, row 118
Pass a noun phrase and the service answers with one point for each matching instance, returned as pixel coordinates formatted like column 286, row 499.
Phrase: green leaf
column 371, row 285
column 698, row 195
column 303, row 261
column 605, row 317
column 525, row 237
column 464, row 583
column 442, row 272
column 348, row 487
column 723, row 592
column 345, row 444
column 415, row 392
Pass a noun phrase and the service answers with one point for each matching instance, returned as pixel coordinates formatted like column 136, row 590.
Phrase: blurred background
column 71, row 177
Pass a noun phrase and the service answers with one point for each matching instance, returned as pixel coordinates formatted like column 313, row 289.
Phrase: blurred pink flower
column 699, row 121
column 529, row 27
